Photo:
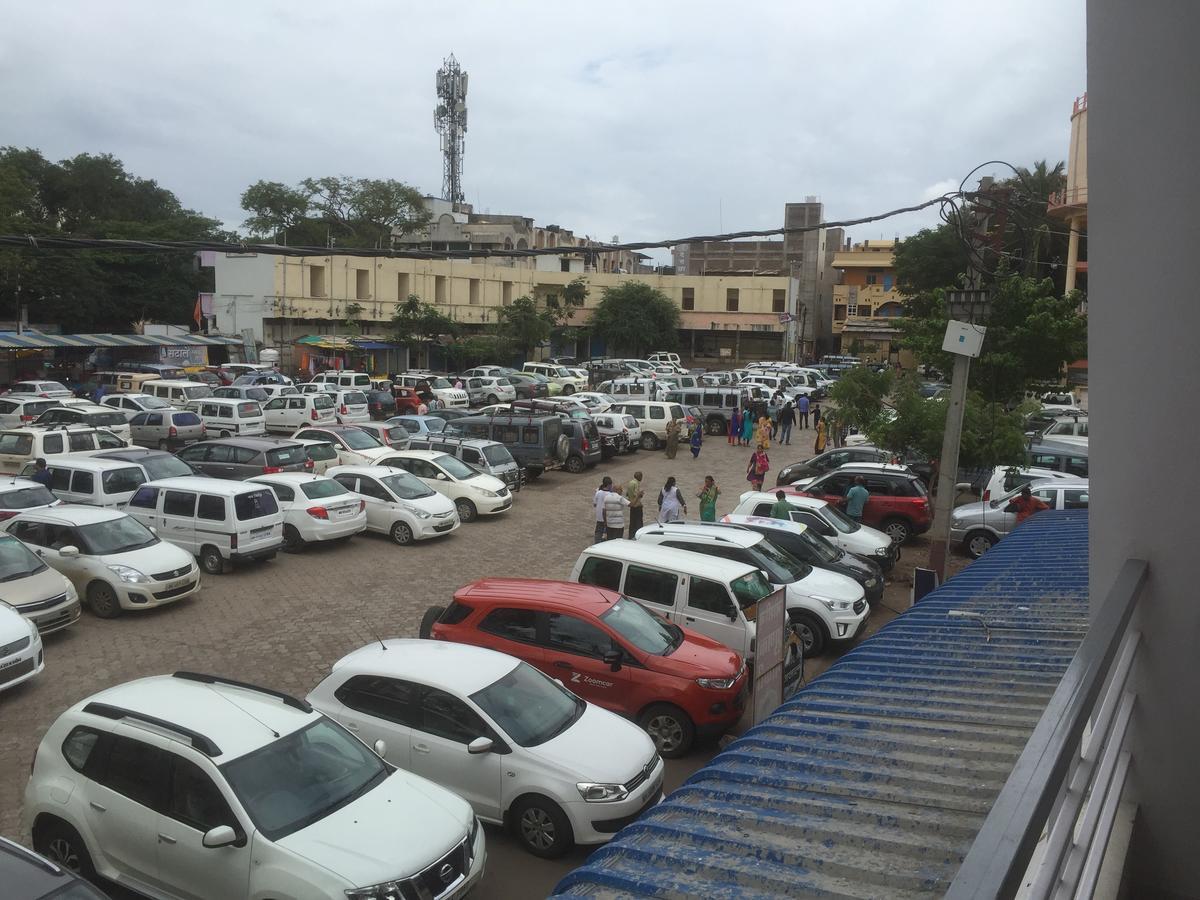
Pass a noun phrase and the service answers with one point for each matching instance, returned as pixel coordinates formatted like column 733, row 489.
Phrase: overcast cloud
column 646, row 120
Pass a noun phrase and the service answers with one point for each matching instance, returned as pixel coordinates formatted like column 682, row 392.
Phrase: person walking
column 760, row 464
column 735, row 427
column 856, row 498
column 671, row 507
column 634, row 494
column 40, row 473
column 672, row 438
column 802, row 408
column 747, row 427
column 598, row 508
column 816, row 413
column 708, row 495
column 781, row 509
column 614, row 514
column 773, row 409
column 819, row 443
column 787, row 418
column 696, row 441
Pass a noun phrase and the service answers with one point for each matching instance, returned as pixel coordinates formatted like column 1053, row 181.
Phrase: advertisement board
column 771, row 618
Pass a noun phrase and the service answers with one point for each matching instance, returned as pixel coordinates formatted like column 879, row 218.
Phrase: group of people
column 756, row 426
column 695, row 439
column 616, row 505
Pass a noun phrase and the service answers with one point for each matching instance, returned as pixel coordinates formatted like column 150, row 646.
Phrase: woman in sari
column 671, row 507
column 708, row 499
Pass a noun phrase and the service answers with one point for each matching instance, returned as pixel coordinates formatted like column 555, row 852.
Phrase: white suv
column 198, row 786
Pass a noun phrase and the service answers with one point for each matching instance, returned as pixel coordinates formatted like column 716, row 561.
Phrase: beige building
column 866, row 303
column 1071, row 203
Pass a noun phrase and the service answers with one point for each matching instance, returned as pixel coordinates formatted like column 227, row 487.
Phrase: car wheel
column 716, row 426
column 533, row 472
column 102, row 598
column 568, row 390
column 402, row 534
column 979, row 543
column 62, row 845
column 670, row 728
column 431, row 615
column 542, row 827
column 292, row 542
column 898, row 530
column 211, row 561
column 164, row 445
column 225, row 434
column 810, row 631
column 575, row 464
column 649, row 441
column 492, row 399
column 466, row 510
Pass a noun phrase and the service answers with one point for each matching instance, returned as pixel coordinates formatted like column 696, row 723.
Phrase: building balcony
column 1068, row 203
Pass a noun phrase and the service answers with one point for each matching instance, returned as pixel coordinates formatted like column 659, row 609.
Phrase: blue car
column 419, row 425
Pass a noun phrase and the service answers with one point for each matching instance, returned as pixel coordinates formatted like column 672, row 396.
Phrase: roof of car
column 679, row 560
column 874, row 468
column 237, row 720
column 745, row 521
column 584, row 597
column 418, row 454
column 365, row 471
column 74, row 514
column 289, row 477
column 336, row 429
column 16, row 483
column 88, row 462
column 226, row 487
column 793, row 497
column 723, row 533
column 265, row 443
column 456, row 667
column 131, row 454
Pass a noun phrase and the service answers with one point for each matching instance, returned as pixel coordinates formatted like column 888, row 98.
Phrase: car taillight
column 585, row 445
column 47, row 396
column 172, row 431
column 203, row 428
column 318, row 512
column 271, row 470
column 343, row 409
column 308, row 463
column 987, row 495
column 26, row 418
column 362, row 505
column 313, row 413
column 7, row 513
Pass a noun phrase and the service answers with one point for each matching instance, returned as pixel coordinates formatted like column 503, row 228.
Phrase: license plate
column 171, row 585
column 260, row 532
column 345, row 510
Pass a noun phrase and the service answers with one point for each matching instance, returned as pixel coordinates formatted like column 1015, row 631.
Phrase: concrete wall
column 1143, row 71
column 244, row 292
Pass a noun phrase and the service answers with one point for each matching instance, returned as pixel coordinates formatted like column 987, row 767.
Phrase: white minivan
column 91, row 481
column 227, row 417
column 177, row 393
column 286, row 414
column 21, row 445
column 217, row 520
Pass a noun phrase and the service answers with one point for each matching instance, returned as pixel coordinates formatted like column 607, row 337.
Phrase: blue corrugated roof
column 874, row 780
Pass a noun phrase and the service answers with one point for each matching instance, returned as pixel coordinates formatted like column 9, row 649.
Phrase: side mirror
column 68, row 551
column 962, row 486
column 380, row 749
column 441, row 476
column 152, row 529
column 612, row 659
column 221, row 836
column 733, row 614
column 480, row 745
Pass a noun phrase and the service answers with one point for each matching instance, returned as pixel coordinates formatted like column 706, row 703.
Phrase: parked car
column 489, row 389
column 344, row 380
column 21, row 654
column 899, row 503
column 449, row 415
column 491, row 457
column 827, row 520
column 18, row 411
column 521, row 748
column 586, row 448
column 229, row 418
column 676, row 683
column 242, row 392
column 528, row 386
column 716, row 404
column 130, row 405
column 1064, row 429
column 1069, row 458
column 595, row 401
column 286, row 414
column 398, row 503
column 17, row 494
column 212, row 379
column 350, row 407
column 315, row 508
column 38, row 592
column 177, row 393
column 394, row 436
column 452, row 397
column 355, row 446
column 536, row 442
column 614, row 434
column 652, row 418
column 262, row 377
column 559, row 375
column 30, row 876
column 46, row 390
column 474, row 493
column 1008, row 478
column 90, row 415
column 175, row 795
column 381, row 404
column 828, row 461
column 167, row 429
column 419, row 425
column 19, row 446
column 977, row 527
column 245, row 456
column 114, row 561
column 90, row 480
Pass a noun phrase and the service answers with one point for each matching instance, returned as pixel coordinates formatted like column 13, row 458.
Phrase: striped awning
column 35, row 340
column 340, row 342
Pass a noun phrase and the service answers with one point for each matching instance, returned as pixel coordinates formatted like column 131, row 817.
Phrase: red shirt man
column 1025, row 505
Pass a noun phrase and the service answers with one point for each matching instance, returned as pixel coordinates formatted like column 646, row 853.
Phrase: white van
column 286, row 414
column 92, row 481
column 716, row 597
column 357, row 380
column 21, row 445
column 227, row 418
column 218, row 521
column 177, row 393
column 641, row 388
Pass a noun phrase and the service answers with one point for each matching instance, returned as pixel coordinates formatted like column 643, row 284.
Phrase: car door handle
column 96, row 806
column 562, row 665
column 165, row 838
column 689, row 618
column 421, row 748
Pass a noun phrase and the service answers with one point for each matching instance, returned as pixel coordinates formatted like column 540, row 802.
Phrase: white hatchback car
column 196, row 786
column 829, row 522
column 44, row 389
column 350, row 406
column 354, row 446
column 398, row 503
column 115, row 562
column 286, row 414
column 473, row 492
column 315, row 508
column 36, row 591
column 21, row 656
column 516, row 745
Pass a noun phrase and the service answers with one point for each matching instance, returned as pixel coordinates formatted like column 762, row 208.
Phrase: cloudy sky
column 644, row 120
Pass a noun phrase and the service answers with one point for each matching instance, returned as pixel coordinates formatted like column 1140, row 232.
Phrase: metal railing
column 1061, row 800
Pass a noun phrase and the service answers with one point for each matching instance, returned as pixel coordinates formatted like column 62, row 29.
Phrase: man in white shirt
column 614, row 513
column 598, row 508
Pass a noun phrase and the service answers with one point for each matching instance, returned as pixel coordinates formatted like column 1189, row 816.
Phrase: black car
column 829, row 460
column 527, row 386
column 29, row 876
column 381, row 404
column 807, row 546
column 155, row 463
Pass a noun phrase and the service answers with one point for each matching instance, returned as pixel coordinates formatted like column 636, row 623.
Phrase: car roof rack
column 202, row 743
column 288, row 699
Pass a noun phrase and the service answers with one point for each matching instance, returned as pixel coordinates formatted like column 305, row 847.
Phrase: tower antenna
column 450, row 121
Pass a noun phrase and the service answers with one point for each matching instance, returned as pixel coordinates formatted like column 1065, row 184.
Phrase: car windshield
column 27, row 498
column 497, row 455
column 839, row 519
column 321, row 451
column 781, row 566
column 354, row 398
column 303, row 777
column 322, row 489
column 407, row 486
column 642, row 629
column 120, row 535
column 439, row 384
column 357, row 439
column 529, row 707
column 16, row 560
column 122, row 481
column 165, row 466
column 456, row 467
column 105, row 418
column 397, row 433
column 291, row 455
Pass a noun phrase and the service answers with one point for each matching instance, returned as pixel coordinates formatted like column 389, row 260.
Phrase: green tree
column 524, row 325
column 416, row 322
column 932, row 258
column 635, row 318
column 860, row 395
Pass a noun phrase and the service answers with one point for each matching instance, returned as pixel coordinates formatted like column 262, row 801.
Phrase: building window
column 731, row 300
column 864, row 309
column 689, row 298
column 564, row 265
column 474, row 292
column 839, row 312
column 362, row 284
column 872, row 279
column 403, row 286
column 441, row 289
column 779, row 300
column 506, row 293
column 316, row 281
column 852, row 309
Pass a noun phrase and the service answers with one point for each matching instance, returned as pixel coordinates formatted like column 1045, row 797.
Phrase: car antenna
column 375, row 635
column 243, row 709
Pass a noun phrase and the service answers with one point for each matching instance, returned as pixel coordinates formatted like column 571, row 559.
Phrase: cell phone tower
column 450, row 121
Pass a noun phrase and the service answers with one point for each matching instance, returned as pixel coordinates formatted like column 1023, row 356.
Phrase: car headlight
column 486, row 492
column 716, row 684
column 872, row 581
column 418, row 512
column 601, row 793
column 128, row 575
column 834, row 605
column 883, row 551
column 388, row 890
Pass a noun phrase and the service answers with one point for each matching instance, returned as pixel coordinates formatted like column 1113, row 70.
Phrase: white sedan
column 315, row 508
column 398, row 503
column 516, row 745
column 595, row 401
column 829, row 522
column 473, row 492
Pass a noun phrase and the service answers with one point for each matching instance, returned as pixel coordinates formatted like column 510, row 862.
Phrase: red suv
column 899, row 503
column 608, row 649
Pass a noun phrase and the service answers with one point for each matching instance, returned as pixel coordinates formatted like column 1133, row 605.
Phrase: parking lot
column 282, row 623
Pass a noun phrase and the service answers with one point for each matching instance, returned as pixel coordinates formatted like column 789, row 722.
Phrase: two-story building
column 866, row 303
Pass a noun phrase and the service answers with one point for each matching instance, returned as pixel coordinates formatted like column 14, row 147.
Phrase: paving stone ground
column 283, row 623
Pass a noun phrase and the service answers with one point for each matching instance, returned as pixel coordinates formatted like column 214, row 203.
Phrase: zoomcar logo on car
column 579, row 677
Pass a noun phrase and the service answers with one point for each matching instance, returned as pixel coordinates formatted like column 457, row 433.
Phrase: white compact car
column 354, row 446
column 398, row 503
column 196, row 786
column 473, row 492
column 36, row 591
column 21, row 656
column 829, row 522
column 114, row 561
column 516, row 745
column 350, row 406
column 315, row 508
column 286, row 414
column 1007, row 478
column 595, row 401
